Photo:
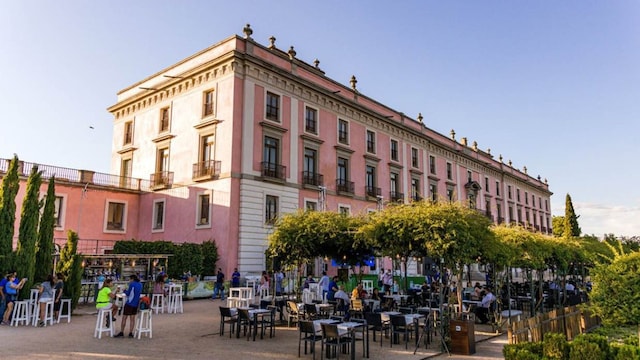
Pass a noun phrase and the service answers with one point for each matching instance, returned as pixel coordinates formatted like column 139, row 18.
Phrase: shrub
column 522, row 351
column 600, row 340
column 525, row 354
column 555, row 346
column 581, row 349
column 624, row 352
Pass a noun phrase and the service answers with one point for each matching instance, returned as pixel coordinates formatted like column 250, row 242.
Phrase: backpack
column 144, row 303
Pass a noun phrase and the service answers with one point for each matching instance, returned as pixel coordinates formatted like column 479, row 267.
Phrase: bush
column 600, row 340
column 555, row 346
column 624, row 352
column 522, row 351
column 582, row 349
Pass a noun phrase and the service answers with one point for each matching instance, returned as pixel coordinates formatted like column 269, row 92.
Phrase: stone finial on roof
column 545, row 181
column 475, row 146
column 420, row 119
column 316, row 63
column 353, row 82
column 272, row 42
column 510, row 163
column 292, row 53
column 489, row 151
column 453, row 134
column 500, row 158
column 539, row 178
column 463, row 141
column 247, row 32
column 524, row 168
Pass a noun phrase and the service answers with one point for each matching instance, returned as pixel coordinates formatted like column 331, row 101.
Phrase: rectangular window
column 310, row 166
column 414, row 157
column 469, row 176
column 432, row 164
column 271, row 209
column 415, row 189
column 207, row 106
column 273, row 107
column 344, row 210
column 533, row 200
column 311, row 120
column 343, row 131
column 204, row 207
column 540, row 204
column 546, row 205
column 164, row 119
column 270, row 152
column 162, row 161
column 433, row 192
column 499, row 212
column 511, row 214
column 342, row 174
column 57, row 211
column 370, row 180
column 311, row 205
column 509, row 192
column 206, row 148
column 486, row 184
column 449, row 171
column 526, row 198
column 450, row 194
column 519, row 212
column 115, row 216
column 126, row 167
column 371, row 141
column 518, row 195
column 158, row 215
column 393, row 184
column 394, row 150
column 128, row 133
column 497, row 188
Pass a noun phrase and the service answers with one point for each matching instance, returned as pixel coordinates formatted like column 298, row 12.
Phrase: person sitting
column 105, row 297
column 477, row 292
column 358, row 292
column 346, row 301
column 307, row 281
column 482, row 311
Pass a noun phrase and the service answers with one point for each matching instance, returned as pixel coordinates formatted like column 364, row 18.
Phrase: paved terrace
column 194, row 335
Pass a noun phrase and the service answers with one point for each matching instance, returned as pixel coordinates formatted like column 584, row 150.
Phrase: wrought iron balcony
column 372, row 191
column 312, row 178
column 416, row 197
column 344, row 186
column 396, row 196
column 161, row 180
column 208, row 169
column 273, row 171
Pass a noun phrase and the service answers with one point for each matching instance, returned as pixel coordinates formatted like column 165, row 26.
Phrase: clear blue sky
column 551, row 85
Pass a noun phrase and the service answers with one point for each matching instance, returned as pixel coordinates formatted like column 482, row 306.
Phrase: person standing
column 3, row 297
column 133, row 292
column 333, row 288
column 11, row 288
column 219, row 288
column 46, row 295
column 59, row 287
column 387, row 281
column 323, row 284
column 235, row 278
column 279, row 279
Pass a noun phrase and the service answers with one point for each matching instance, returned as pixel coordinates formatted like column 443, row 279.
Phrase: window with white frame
column 344, row 209
column 432, row 164
column 272, row 109
column 128, row 133
column 270, row 209
column 371, row 142
column 164, row 119
column 208, row 98
column 58, row 212
column 311, row 120
column 449, row 171
column 115, row 216
column 158, row 215
column 203, row 216
column 414, row 157
column 343, row 131
column 394, row 150
column 311, row 205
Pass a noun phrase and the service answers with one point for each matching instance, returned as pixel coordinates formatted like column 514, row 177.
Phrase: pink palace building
column 218, row 145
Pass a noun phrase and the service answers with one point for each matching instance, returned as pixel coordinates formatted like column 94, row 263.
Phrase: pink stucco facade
column 239, row 133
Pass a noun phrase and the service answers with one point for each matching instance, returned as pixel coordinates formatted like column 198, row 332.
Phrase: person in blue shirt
column 333, row 288
column 130, row 310
column 235, row 278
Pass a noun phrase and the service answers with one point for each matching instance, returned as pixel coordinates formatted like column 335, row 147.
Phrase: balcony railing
column 161, row 180
column 416, row 197
column 208, row 169
column 312, row 178
column 344, row 186
column 273, row 171
column 372, row 191
column 396, row 196
column 500, row 220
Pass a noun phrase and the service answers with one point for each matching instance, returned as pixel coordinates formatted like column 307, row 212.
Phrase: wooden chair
column 227, row 317
column 308, row 335
column 292, row 313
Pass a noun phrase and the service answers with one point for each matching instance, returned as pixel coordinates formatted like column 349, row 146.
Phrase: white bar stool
column 20, row 313
column 157, row 303
column 64, row 302
column 48, row 312
column 103, row 323
column 33, row 305
column 144, row 324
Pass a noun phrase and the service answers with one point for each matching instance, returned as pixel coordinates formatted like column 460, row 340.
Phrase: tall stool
column 64, row 302
column 33, row 305
column 48, row 312
column 20, row 313
column 176, row 303
column 144, row 324
column 103, row 323
column 157, row 303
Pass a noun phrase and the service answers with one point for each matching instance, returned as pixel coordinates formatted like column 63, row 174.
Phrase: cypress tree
column 571, row 227
column 25, row 259
column 70, row 265
column 44, row 246
column 8, row 193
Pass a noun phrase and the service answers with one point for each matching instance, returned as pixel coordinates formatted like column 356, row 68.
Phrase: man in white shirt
column 341, row 294
column 323, row 284
column 482, row 311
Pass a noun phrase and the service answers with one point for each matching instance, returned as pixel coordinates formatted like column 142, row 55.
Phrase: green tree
column 210, row 258
column 557, row 222
column 70, row 265
column 616, row 291
column 44, row 245
column 8, row 192
column 571, row 227
column 25, row 258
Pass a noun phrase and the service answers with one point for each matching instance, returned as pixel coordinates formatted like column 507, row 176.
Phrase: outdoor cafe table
column 351, row 328
column 409, row 318
column 256, row 315
column 472, row 304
